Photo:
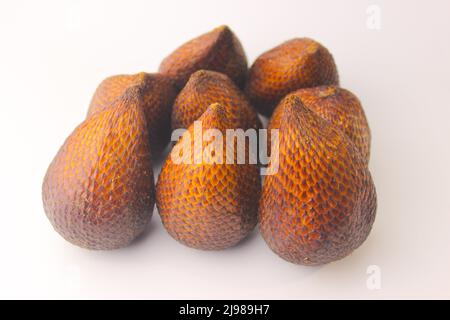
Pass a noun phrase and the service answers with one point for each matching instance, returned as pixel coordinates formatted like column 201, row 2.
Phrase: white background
column 53, row 54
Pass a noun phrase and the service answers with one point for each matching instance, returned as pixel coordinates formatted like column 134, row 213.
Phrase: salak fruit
column 205, row 88
column 158, row 93
column 339, row 107
column 218, row 50
column 209, row 202
column 99, row 191
column 295, row 64
column 320, row 205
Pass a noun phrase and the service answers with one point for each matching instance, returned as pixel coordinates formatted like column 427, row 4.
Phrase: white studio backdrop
column 393, row 54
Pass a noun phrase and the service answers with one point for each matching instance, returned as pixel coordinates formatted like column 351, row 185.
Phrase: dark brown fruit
column 295, row 64
column 205, row 88
column 158, row 93
column 338, row 106
column 208, row 205
column 321, row 203
column 99, row 190
column 218, row 50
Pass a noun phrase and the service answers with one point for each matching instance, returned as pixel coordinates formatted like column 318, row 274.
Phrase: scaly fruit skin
column 295, row 64
column 338, row 106
column 158, row 93
column 218, row 50
column 321, row 203
column 209, row 206
column 205, row 88
column 99, row 191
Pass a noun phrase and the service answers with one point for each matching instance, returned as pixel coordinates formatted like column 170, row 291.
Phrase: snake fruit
column 321, row 204
column 295, row 64
column 218, row 50
column 158, row 93
column 98, row 191
column 208, row 204
column 205, row 88
column 339, row 107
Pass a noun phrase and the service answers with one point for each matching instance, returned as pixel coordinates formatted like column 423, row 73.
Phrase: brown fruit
column 208, row 205
column 218, row 50
column 205, row 88
column 321, row 203
column 158, row 93
column 338, row 106
column 295, row 64
column 99, row 190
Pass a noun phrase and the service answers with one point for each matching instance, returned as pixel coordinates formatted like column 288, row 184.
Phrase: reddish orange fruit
column 295, row 64
column 205, row 88
column 158, row 93
column 208, row 204
column 339, row 107
column 321, row 204
column 98, row 192
column 218, row 50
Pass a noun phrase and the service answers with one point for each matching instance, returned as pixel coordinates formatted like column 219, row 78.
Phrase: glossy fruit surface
column 295, row 64
column 98, row 192
column 321, row 203
column 218, row 50
column 158, row 93
column 338, row 106
column 205, row 88
column 208, row 204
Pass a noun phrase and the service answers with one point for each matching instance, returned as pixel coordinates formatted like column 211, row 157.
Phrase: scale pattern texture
column 205, row 88
column 208, row 205
column 99, row 191
column 321, row 203
column 295, row 64
column 158, row 93
column 218, row 50
column 341, row 108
